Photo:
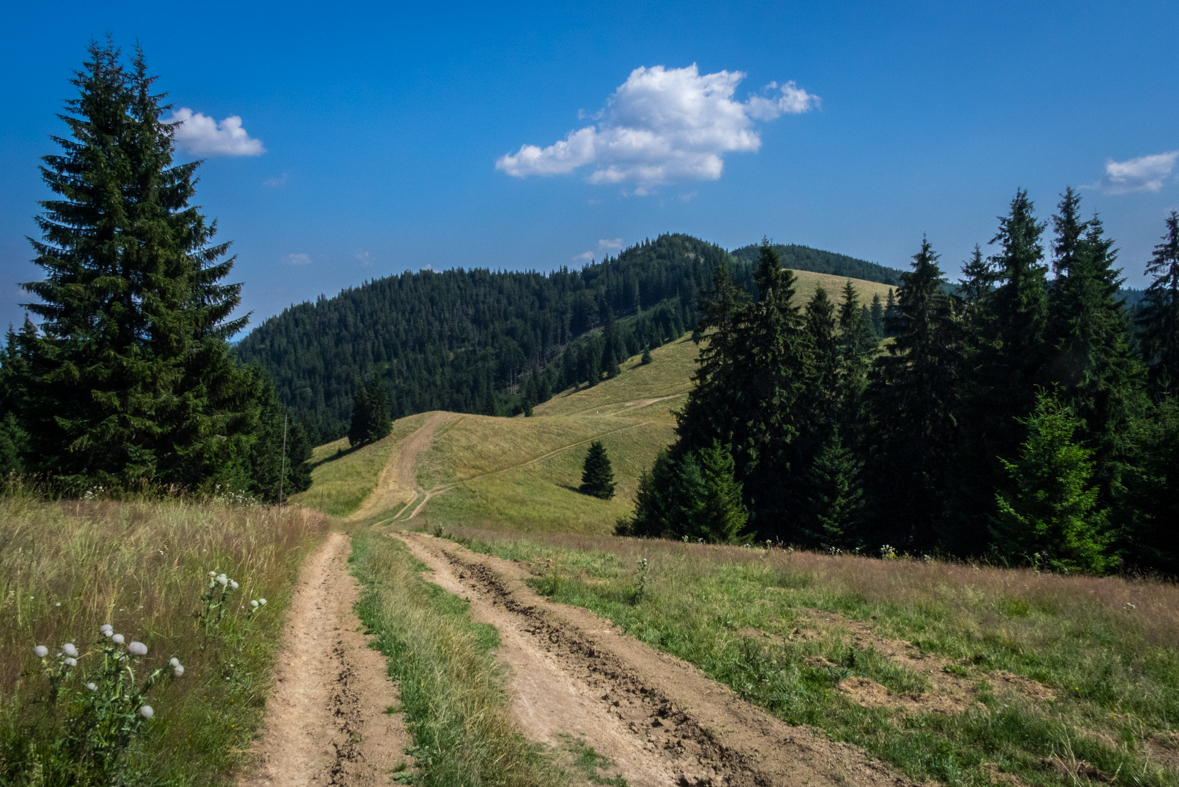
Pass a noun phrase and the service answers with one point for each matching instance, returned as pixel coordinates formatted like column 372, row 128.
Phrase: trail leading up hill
column 658, row 719
column 398, row 481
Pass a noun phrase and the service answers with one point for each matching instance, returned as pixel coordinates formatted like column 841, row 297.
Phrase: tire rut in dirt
column 647, row 712
column 693, row 729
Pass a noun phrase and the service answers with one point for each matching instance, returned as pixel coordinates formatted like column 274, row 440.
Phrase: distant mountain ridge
column 459, row 338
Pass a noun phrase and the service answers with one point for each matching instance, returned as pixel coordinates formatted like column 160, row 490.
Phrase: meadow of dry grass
column 68, row 567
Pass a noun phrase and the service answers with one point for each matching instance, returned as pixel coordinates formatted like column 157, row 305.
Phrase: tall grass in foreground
column 451, row 688
column 67, row 568
column 1107, row 647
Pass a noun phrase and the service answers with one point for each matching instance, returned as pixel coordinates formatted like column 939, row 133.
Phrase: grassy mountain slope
column 523, row 473
column 456, row 339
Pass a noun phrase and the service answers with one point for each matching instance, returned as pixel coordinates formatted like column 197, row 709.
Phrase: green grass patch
column 1113, row 667
column 66, row 568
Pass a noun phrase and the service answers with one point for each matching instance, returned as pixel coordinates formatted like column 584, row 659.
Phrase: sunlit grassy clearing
column 1107, row 647
column 807, row 282
column 543, row 496
column 668, row 374
column 339, row 486
column 68, row 567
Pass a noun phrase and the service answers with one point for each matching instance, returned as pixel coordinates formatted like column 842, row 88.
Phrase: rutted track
column 326, row 717
column 660, row 720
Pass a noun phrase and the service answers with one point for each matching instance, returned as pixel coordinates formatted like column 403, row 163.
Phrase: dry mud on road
column 659, row 720
column 325, row 719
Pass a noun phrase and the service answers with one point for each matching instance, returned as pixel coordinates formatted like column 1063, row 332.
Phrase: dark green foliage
column 835, row 496
column 1158, row 320
column 1050, row 508
column 696, row 497
column 803, row 258
column 1150, row 534
column 273, row 472
column 597, row 477
column 877, row 313
column 130, row 379
column 914, row 406
column 370, row 412
column 646, row 359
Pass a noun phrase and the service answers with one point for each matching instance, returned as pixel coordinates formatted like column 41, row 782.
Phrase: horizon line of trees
column 1030, row 419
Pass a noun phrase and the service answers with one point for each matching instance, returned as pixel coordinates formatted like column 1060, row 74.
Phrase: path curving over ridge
column 397, row 486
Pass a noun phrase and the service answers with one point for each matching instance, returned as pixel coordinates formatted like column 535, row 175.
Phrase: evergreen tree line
column 466, row 340
column 1022, row 416
column 128, row 380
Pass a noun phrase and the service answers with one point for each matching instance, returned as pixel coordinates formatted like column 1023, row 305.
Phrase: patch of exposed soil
column 952, row 693
column 326, row 717
column 659, row 720
column 398, row 480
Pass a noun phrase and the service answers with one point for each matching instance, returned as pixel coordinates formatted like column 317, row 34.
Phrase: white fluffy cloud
column 616, row 243
column 585, row 256
column 298, row 259
column 201, row 135
column 1145, row 173
column 662, row 126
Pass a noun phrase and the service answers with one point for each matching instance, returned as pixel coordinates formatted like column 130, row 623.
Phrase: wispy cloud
column 1145, row 173
column 201, row 135
column 298, row 259
column 585, row 256
column 275, row 183
column 610, row 244
column 364, row 258
column 662, row 126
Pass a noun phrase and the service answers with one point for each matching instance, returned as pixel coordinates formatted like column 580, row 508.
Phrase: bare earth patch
column 658, row 719
column 326, row 717
column 398, row 481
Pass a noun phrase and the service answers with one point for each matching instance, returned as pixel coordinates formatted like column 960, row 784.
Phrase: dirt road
column 326, row 717
column 397, row 485
column 658, row 719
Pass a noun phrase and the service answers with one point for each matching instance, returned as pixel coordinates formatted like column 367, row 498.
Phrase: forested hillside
column 804, row 258
column 461, row 340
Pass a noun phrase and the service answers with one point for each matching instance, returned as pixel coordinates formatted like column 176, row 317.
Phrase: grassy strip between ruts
column 760, row 621
column 451, row 687
column 68, row 567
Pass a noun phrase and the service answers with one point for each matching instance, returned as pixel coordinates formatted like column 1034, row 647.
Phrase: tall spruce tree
column 1158, row 322
column 1049, row 508
column 1091, row 361
column 597, row 477
column 131, row 379
column 1007, row 356
column 915, row 409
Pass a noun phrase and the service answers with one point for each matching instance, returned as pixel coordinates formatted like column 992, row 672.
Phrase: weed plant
column 68, row 567
column 1106, row 647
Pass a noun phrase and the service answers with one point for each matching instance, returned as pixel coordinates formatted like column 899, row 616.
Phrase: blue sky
column 394, row 136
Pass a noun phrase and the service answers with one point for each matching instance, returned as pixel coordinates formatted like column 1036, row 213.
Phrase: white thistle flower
column 70, row 650
column 137, row 649
column 212, row 573
column 107, row 629
column 222, row 580
column 71, row 662
column 147, row 712
column 175, row 662
column 262, row 601
column 233, row 584
column 92, row 687
column 118, row 639
column 254, row 604
column 178, row 670
column 40, row 651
